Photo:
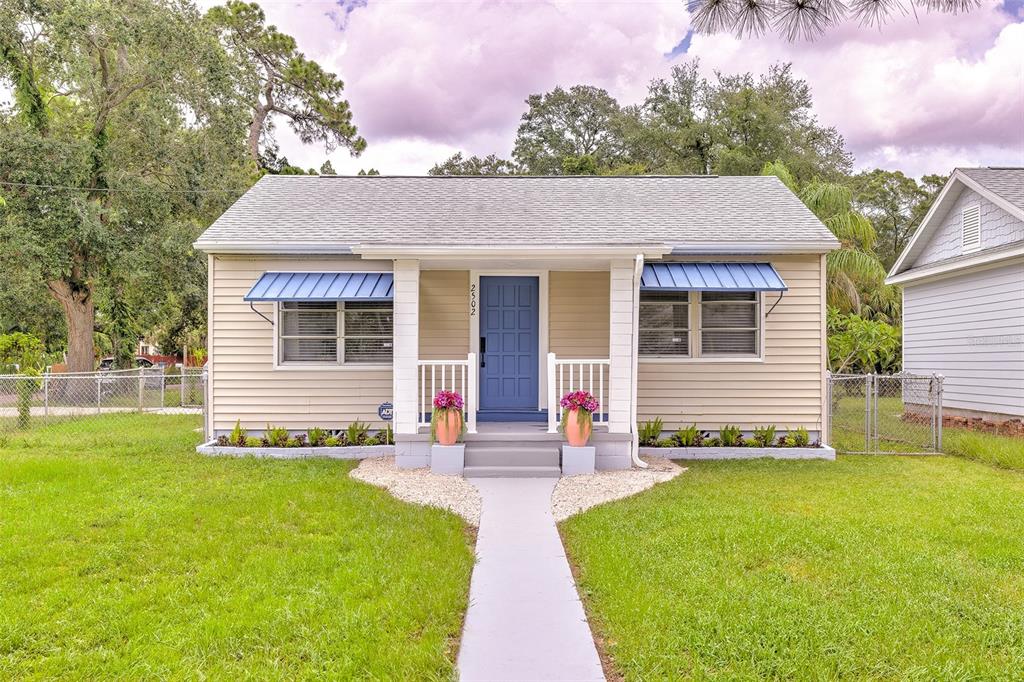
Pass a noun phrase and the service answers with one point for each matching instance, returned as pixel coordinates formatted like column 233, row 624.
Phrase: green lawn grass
column 990, row 448
column 864, row 568
column 123, row 554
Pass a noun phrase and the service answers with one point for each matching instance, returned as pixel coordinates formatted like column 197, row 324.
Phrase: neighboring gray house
column 963, row 292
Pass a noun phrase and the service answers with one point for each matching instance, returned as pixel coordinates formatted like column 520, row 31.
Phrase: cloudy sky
column 427, row 79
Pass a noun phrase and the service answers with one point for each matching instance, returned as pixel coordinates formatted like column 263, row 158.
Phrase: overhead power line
column 69, row 187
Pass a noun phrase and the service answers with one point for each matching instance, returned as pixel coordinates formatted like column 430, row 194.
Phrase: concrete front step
column 511, row 455
column 519, row 471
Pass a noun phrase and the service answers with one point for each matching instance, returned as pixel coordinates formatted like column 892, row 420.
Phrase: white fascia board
column 754, row 248
column 978, row 262
column 936, row 206
column 476, row 251
column 272, row 247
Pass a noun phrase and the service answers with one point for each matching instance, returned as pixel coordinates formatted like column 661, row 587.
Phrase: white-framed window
column 665, row 324
column 713, row 325
column 970, row 224
column 730, row 323
column 332, row 332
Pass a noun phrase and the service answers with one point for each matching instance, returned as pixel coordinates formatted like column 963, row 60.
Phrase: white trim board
column 979, row 261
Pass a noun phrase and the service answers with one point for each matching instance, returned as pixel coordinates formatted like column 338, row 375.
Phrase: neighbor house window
column 729, row 323
column 325, row 332
column 665, row 324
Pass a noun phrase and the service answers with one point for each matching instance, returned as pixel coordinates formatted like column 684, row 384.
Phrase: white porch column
column 406, row 344
column 620, row 312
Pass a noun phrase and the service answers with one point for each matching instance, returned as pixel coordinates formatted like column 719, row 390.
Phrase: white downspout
column 634, row 446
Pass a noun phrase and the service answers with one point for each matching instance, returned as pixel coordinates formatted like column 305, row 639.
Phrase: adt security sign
column 386, row 411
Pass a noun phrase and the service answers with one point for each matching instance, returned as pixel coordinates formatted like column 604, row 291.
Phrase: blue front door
column 509, row 360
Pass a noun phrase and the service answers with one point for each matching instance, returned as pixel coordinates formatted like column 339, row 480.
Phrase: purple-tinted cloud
column 445, row 71
column 426, row 78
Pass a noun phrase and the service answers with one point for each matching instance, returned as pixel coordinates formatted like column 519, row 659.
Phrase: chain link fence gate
column 892, row 414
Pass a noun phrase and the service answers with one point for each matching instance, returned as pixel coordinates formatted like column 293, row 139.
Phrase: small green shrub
column 372, row 440
column 316, row 436
column 253, row 442
column 238, row 435
column 275, row 437
column 292, row 443
column 713, row 443
column 650, row 431
column 797, row 438
column 764, row 436
column 332, row 441
column 730, row 436
column 356, row 433
column 665, row 443
column 690, row 436
column 386, row 435
column 27, row 385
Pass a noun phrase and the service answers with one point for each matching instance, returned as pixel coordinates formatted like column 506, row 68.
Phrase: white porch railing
column 451, row 375
column 566, row 375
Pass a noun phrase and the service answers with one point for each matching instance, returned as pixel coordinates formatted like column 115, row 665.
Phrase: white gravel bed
column 419, row 486
column 574, row 494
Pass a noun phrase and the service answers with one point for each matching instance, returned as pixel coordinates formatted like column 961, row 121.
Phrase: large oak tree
column 125, row 129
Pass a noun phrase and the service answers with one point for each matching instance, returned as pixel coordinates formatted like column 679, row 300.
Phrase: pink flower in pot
column 446, row 421
column 578, row 408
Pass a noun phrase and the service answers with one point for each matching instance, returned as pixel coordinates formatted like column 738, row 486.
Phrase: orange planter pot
column 449, row 426
column 577, row 431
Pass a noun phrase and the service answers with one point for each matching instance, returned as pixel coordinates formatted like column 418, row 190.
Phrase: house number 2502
column 472, row 300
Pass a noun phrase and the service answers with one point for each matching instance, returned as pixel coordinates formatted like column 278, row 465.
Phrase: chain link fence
column 892, row 414
column 27, row 402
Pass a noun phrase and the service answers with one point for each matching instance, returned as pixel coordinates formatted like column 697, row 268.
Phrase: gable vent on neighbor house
column 970, row 221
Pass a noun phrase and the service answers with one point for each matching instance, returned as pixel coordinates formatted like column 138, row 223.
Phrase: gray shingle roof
column 345, row 211
column 1006, row 182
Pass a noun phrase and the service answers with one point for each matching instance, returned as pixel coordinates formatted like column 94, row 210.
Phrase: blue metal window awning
column 711, row 277
column 322, row 286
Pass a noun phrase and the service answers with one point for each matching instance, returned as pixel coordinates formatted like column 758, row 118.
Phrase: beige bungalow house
column 696, row 299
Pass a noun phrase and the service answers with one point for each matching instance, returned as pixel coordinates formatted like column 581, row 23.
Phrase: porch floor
column 529, row 430
column 512, row 428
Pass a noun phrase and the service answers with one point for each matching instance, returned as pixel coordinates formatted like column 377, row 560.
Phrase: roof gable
column 1003, row 187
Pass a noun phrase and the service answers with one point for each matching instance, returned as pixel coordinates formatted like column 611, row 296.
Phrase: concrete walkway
column 525, row 619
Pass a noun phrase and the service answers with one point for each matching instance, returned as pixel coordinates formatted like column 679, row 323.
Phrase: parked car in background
column 122, row 384
column 107, row 363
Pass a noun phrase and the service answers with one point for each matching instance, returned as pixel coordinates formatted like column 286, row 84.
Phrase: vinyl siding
column 244, row 383
column 786, row 389
column 970, row 328
column 444, row 314
column 578, row 324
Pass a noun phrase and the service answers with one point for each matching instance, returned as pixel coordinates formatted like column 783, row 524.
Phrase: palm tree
column 856, row 277
column 806, row 19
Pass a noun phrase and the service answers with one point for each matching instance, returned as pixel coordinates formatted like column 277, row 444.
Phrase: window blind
column 664, row 328
column 322, row 332
column 729, row 323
